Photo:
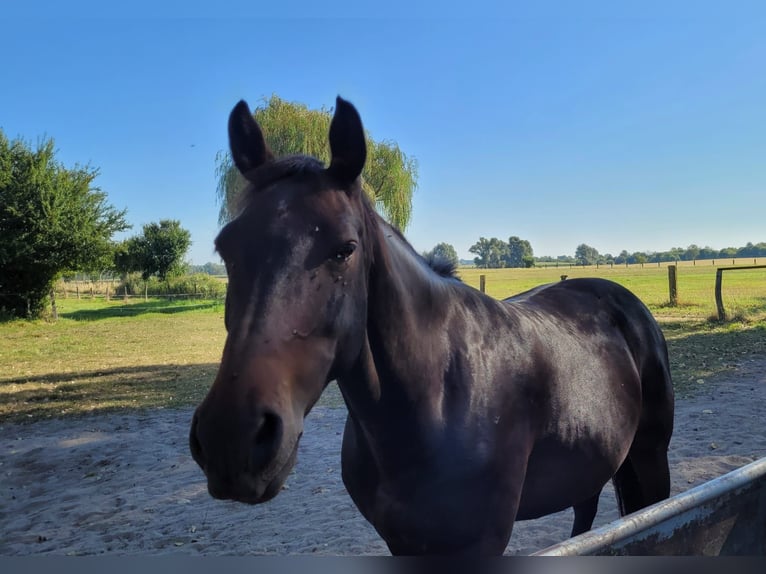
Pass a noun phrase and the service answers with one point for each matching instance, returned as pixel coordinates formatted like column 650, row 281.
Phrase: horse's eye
column 345, row 252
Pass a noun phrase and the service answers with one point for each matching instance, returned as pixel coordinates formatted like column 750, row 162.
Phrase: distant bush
column 200, row 285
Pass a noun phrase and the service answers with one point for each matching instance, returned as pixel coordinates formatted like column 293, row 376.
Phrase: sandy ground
column 126, row 484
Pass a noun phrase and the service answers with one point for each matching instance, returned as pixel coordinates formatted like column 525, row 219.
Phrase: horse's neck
column 406, row 346
column 400, row 280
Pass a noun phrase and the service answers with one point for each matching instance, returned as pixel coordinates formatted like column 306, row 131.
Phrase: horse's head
column 297, row 261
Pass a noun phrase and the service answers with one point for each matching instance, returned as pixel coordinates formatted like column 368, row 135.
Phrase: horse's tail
column 644, row 477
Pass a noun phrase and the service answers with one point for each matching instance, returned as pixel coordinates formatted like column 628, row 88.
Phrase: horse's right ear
column 248, row 148
column 347, row 143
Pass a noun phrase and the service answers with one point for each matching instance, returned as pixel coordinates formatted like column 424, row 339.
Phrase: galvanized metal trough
column 723, row 517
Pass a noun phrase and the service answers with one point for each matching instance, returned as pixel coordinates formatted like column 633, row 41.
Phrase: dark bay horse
column 464, row 413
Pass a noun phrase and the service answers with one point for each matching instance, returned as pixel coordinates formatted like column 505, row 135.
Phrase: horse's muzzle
column 250, row 471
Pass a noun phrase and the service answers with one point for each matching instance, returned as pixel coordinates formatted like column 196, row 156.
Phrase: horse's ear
column 248, row 148
column 347, row 143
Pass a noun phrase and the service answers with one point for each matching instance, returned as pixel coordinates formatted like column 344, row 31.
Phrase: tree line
column 587, row 255
column 495, row 253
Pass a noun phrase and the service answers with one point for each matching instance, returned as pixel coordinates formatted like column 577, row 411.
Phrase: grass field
column 743, row 291
column 102, row 356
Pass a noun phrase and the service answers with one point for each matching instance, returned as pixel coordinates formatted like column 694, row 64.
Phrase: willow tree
column 389, row 177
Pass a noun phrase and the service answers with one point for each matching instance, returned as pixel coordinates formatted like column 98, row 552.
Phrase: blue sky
column 565, row 124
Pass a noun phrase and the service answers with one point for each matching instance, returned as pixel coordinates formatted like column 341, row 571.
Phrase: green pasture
column 743, row 291
column 111, row 355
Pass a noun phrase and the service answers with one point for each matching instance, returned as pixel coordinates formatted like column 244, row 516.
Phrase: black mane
column 271, row 172
column 442, row 266
column 283, row 167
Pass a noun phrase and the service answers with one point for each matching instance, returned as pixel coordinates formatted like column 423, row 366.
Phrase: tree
column 519, row 253
column 490, row 253
column 160, row 250
column 53, row 220
column 209, row 268
column 389, row 177
column 622, row 257
column 692, row 252
column 586, row 255
column 127, row 257
column 445, row 252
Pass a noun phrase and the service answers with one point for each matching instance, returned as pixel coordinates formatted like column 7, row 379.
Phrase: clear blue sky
column 643, row 129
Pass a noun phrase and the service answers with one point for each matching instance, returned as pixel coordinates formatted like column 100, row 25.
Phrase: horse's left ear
column 347, row 143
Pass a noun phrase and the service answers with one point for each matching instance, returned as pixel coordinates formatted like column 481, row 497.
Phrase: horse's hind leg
column 584, row 514
column 644, row 477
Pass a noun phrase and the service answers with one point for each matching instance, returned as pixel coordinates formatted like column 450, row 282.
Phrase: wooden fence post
column 672, row 285
column 482, row 283
column 54, row 310
column 718, row 298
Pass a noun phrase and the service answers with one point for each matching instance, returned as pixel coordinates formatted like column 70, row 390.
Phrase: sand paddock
column 125, row 484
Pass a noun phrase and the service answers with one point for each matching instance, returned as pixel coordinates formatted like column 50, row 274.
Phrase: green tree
column 622, row 257
column 490, row 253
column 161, row 249
column 692, row 252
column 586, row 255
column 127, row 257
column 53, row 220
column 639, row 257
column 676, row 253
column 519, row 253
column 209, row 268
column 445, row 252
column 389, row 177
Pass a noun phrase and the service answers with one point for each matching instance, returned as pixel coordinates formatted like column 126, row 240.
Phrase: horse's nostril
column 194, row 444
column 269, row 430
column 267, row 438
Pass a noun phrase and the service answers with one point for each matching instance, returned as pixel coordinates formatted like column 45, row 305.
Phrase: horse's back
column 595, row 308
column 587, row 304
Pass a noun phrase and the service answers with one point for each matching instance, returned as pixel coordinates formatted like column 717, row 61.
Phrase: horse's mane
column 271, row 172
column 442, row 266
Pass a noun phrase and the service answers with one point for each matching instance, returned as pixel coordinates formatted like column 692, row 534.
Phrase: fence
column 181, row 288
column 671, row 291
column 680, row 262
column 718, row 286
column 725, row 516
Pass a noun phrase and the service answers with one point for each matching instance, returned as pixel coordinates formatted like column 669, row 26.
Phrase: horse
column 465, row 413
